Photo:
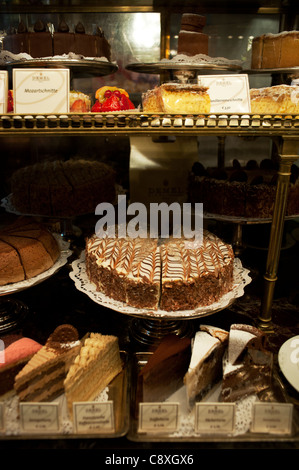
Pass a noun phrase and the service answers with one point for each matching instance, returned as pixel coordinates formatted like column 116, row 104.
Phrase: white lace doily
column 12, row 415
column 83, row 284
column 65, row 252
column 7, row 57
column 243, row 413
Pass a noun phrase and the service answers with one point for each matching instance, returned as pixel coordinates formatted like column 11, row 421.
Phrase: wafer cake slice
column 96, row 365
column 41, row 379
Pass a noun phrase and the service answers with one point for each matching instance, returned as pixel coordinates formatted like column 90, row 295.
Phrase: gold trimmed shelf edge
column 139, row 122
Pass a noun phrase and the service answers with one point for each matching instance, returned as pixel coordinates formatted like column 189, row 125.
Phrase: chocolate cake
column 27, row 249
column 16, row 352
column 17, row 41
column 40, row 42
column 42, row 378
column 270, row 51
column 62, row 188
column 96, row 365
column 192, row 40
column 167, row 274
column 247, row 366
column 63, row 40
column 164, row 372
column 205, row 368
column 247, row 192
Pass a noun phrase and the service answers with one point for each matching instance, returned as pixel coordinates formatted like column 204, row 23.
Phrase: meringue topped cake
column 205, row 368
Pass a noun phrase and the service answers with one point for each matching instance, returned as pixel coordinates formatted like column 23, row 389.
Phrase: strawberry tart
column 109, row 99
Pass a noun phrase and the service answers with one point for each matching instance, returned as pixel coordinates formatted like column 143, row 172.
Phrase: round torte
column 170, row 275
column 62, row 188
column 27, row 249
column 247, row 192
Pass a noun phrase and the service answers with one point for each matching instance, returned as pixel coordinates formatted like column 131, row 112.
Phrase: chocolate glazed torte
column 171, row 275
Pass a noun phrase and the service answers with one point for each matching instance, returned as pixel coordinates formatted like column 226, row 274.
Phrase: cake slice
column 94, row 367
column 177, row 98
column 17, row 351
column 41, row 379
column 247, row 366
column 164, row 372
column 205, row 368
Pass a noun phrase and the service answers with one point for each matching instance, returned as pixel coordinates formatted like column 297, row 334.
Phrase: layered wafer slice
column 41, row 379
column 94, row 368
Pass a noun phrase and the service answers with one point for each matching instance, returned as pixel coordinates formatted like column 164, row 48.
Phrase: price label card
column 158, row 417
column 39, row 417
column 274, row 418
column 3, row 91
column 41, row 90
column 228, row 93
column 214, row 418
column 93, row 417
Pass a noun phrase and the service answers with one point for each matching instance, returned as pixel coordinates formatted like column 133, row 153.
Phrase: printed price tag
column 93, row 417
column 274, row 418
column 39, row 417
column 41, row 90
column 228, row 93
column 158, row 417
column 3, row 91
column 214, row 418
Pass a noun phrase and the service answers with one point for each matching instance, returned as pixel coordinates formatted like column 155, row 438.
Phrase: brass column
column 288, row 154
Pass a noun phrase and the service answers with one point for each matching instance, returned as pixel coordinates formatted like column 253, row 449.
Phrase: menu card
column 41, row 90
column 228, row 93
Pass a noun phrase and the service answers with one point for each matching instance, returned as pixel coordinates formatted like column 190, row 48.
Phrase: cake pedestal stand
column 12, row 313
column 185, row 70
column 150, row 332
column 149, row 326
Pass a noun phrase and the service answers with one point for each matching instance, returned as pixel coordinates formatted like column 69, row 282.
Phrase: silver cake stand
column 148, row 325
column 183, row 70
column 84, row 67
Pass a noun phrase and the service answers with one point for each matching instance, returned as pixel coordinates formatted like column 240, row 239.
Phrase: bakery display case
column 146, row 43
